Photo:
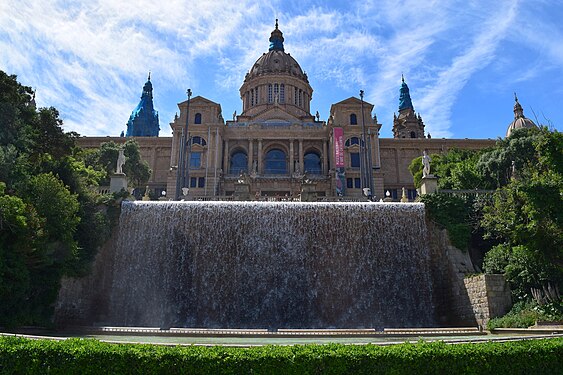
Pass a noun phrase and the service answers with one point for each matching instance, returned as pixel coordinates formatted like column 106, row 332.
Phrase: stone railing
column 467, row 193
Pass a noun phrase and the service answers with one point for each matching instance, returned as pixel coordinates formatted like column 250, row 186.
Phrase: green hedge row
column 84, row 356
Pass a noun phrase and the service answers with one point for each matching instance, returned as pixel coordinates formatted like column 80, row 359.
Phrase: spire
column 518, row 111
column 143, row 121
column 405, row 97
column 276, row 39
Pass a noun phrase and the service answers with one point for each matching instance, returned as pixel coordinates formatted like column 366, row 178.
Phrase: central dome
column 276, row 61
column 276, row 80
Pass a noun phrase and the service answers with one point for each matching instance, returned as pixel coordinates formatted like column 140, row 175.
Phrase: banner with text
column 338, row 138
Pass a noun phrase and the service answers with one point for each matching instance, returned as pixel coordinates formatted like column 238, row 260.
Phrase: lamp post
column 182, row 174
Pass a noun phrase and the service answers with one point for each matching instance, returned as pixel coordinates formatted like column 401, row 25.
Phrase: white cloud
column 90, row 59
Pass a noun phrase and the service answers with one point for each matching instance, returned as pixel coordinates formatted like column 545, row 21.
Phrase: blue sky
column 461, row 59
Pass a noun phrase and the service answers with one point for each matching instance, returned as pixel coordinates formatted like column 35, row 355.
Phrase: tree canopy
column 523, row 217
column 51, row 222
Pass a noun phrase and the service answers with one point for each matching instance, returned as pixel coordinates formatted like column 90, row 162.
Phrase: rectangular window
column 201, row 182
column 300, row 98
column 357, row 183
column 349, row 183
column 270, row 94
column 394, row 194
column 411, row 194
column 252, row 97
column 355, row 159
column 193, row 182
column 282, row 93
column 195, row 160
column 277, row 92
column 295, row 94
column 257, row 95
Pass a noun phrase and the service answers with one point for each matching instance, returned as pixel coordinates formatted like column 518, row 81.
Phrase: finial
column 362, row 94
column 515, row 97
column 402, row 78
column 149, row 75
column 189, row 93
column 276, row 23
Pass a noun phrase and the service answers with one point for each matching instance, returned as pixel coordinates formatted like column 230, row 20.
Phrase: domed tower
column 407, row 124
column 520, row 121
column 276, row 80
column 143, row 121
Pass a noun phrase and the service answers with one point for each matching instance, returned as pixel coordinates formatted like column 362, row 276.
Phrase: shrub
column 81, row 356
column 525, row 314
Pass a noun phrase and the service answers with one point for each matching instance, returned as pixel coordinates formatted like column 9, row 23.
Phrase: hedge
column 87, row 356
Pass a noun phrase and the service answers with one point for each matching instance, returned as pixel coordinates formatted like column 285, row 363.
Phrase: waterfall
column 271, row 265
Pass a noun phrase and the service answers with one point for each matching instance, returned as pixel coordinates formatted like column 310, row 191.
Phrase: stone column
column 260, row 156
column 301, row 165
column 325, row 157
column 226, row 158
column 175, row 147
column 291, row 157
column 250, row 154
column 153, row 163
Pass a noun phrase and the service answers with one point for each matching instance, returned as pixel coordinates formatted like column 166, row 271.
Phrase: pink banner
column 338, row 134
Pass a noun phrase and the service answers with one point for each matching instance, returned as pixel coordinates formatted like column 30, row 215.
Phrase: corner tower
column 276, row 81
column 143, row 121
column 407, row 124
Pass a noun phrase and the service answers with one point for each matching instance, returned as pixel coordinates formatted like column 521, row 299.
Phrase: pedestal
column 242, row 192
column 429, row 184
column 308, row 193
column 118, row 181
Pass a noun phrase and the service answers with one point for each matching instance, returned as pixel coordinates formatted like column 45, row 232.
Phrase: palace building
column 276, row 147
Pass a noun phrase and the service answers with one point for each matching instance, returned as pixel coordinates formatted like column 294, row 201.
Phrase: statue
column 234, row 115
column 425, row 164
column 120, row 162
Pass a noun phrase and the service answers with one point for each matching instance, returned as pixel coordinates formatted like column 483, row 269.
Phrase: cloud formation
column 90, row 59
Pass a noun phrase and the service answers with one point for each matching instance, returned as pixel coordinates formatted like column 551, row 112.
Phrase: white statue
column 120, row 162
column 425, row 164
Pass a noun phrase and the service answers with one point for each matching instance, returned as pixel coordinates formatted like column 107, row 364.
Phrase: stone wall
column 463, row 300
column 489, row 296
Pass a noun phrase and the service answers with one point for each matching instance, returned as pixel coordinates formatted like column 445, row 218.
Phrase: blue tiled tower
column 143, row 121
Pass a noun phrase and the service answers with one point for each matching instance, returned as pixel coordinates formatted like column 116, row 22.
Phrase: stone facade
column 275, row 141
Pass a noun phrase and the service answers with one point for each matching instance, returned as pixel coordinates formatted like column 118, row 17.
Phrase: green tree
column 526, row 215
column 51, row 221
column 456, row 169
column 137, row 170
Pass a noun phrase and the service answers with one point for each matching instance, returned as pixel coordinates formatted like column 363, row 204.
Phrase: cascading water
column 271, row 265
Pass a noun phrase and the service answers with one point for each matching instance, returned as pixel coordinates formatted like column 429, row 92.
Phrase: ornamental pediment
column 275, row 114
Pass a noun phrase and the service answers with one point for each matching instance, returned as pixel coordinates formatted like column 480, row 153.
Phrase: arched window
column 197, row 119
column 352, row 141
column 198, row 141
column 275, row 162
column 413, row 135
column 239, row 162
column 312, row 162
column 353, row 119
